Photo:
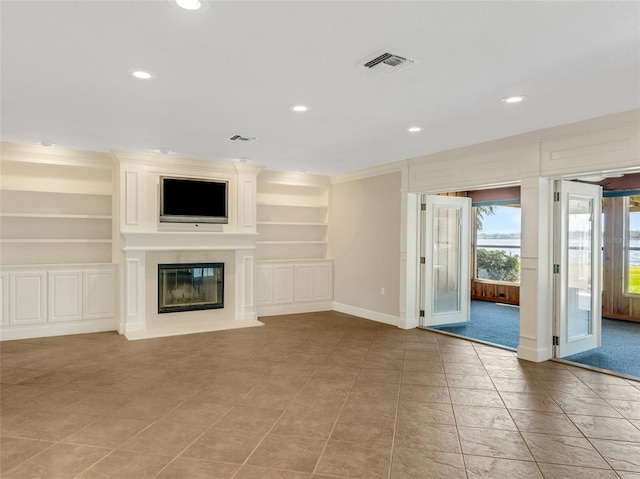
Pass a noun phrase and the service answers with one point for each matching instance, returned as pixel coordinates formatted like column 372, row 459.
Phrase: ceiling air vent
column 389, row 62
column 245, row 139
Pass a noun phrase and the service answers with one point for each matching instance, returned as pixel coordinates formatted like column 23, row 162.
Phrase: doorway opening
column 619, row 350
column 493, row 275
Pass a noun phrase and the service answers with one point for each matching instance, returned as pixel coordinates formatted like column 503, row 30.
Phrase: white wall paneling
column 282, row 283
column 304, row 279
column 65, row 295
column 131, row 197
column 98, row 293
column 28, row 297
column 4, row 298
column 590, row 152
column 286, row 287
column 264, row 284
column 55, row 300
column 323, row 282
column 132, row 316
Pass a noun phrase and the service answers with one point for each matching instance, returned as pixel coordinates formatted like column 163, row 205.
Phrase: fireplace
column 190, row 287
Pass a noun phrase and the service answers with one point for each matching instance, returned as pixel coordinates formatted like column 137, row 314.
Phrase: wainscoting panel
column 264, row 284
column 290, row 287
column 303, row 283
column 65, row 295
column 282, row 283
column 98, row 294
column 4, row 298
column 58, row 300
column 323, row 282
column 28, row 303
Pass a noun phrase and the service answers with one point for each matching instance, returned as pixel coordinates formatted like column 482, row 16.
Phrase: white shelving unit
column 293, row 271
column 56, row 241
column 39, row 227
column 292, row 216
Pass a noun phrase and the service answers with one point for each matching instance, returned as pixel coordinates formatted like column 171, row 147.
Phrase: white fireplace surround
column 143, row 241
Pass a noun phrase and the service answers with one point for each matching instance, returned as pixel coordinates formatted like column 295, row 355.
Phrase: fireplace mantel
column 186, row 241
column 144, row 242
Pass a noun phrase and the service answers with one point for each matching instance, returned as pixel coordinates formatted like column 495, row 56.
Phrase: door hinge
column 556, row 269
column 556, row 196
column 422, row 260
column 423, row 207
column 556, row 341
column 422, row 313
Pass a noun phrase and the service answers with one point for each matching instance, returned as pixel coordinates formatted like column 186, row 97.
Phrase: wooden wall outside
column 495, row 291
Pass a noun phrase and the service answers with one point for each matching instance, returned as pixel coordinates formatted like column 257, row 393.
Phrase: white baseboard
column 9, row 333
column 294, row 308
column 532, row 354
column 367, row 314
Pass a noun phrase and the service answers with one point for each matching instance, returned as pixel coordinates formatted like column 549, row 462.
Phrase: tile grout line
column 342, row 407
column 453, row 410
column 509, row 412
column 280, row 417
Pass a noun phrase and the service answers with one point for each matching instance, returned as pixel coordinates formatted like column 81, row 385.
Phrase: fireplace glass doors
column 190, row 287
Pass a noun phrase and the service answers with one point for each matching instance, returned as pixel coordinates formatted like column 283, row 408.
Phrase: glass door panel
column 577, row 254
column 446, row 275
column 579, row 313
column 446, row 257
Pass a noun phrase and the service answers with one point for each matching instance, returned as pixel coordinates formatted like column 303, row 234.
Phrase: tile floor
column 321, row 395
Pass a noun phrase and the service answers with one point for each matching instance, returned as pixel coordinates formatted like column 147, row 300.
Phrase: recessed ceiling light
column 142, row 75
column 47, row 143
column 299, row 108
column 514, row 99
column 414, row 129
column 302, row 172
column 189, row 4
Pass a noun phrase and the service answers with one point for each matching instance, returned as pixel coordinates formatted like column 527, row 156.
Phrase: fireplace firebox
column 190, row 287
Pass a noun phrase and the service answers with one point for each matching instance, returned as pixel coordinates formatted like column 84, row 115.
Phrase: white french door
column 446, row 249
column 577, row 264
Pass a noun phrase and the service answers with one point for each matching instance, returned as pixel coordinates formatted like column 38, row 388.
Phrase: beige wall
column 364, row 241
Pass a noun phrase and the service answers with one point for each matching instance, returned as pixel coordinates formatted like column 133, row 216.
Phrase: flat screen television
column 193, row 200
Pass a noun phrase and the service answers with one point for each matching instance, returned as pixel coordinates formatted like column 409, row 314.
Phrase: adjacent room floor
column 322, row 395
column 499, row 324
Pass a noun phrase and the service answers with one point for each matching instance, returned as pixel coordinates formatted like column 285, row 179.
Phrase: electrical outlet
column 381, row 291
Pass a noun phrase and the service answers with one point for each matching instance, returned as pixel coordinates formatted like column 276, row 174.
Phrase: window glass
column 497, row 243
column 633, row 244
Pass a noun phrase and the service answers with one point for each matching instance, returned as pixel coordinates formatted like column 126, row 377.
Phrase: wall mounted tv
column 193, row 200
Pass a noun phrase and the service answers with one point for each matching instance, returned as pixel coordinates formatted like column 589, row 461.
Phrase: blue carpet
column 620, row 350
column 500, row 324
column 491, row 322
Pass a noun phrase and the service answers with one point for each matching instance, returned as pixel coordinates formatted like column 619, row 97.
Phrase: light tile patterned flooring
column 321, row 395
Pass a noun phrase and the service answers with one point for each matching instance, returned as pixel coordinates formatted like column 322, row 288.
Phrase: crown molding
column 395, row 167
column 53, row 155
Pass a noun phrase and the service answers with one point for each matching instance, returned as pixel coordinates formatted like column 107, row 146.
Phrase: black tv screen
column 192, row 200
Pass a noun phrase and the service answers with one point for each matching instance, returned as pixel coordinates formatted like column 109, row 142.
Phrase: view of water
column 512, row 247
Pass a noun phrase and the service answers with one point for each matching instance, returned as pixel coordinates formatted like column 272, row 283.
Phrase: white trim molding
column 367, row 314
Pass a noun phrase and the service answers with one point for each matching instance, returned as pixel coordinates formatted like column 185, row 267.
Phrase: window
column 497, row 242
column 632, row 244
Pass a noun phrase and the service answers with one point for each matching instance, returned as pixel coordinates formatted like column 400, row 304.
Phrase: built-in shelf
column 55, row 215
column 44, row 189
column 292, row 216
column 56, row 207
column 53, row 240
column 291, row 242
column 289, row 205
column 290, row 223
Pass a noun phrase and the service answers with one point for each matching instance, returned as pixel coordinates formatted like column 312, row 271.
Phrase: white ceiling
column 237, row 66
